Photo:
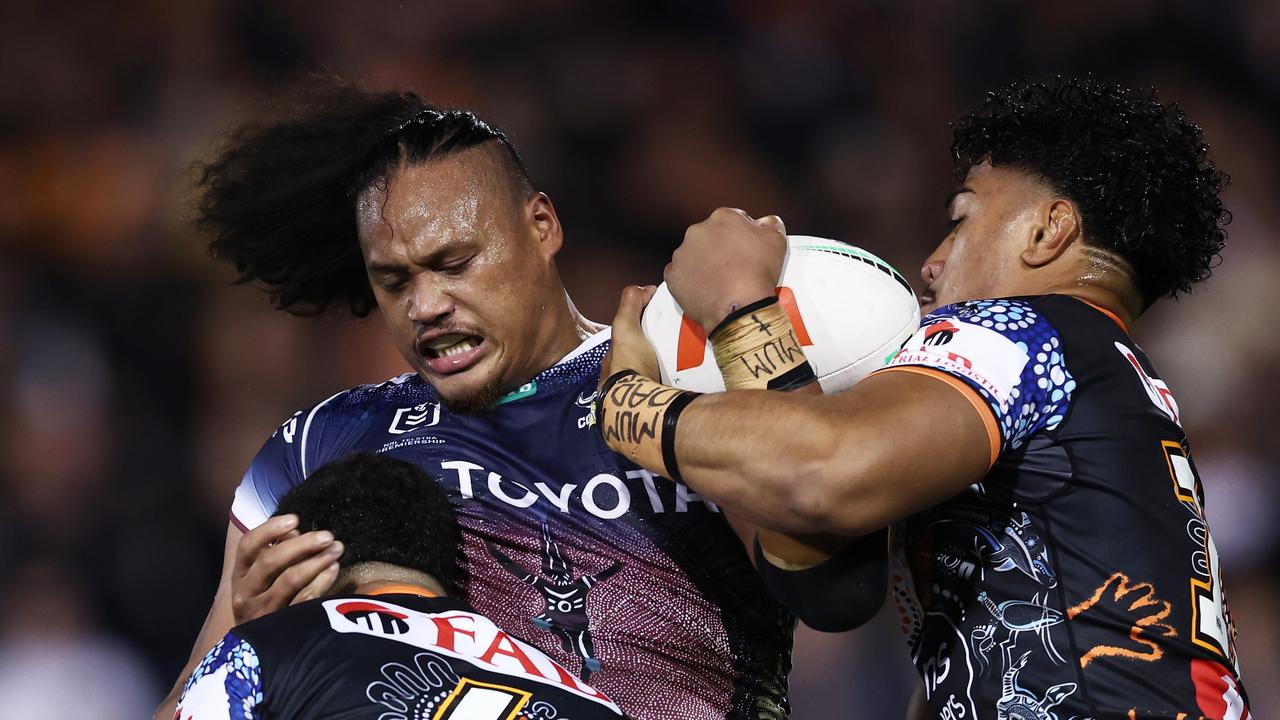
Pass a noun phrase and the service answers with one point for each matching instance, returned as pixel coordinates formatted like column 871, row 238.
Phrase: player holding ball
column 1049, row 554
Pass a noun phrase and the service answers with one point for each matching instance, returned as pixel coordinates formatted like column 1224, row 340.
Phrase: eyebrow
column 377, row 265
column 946, row 205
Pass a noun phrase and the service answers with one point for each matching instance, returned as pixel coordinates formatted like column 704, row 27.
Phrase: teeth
column 460, row 346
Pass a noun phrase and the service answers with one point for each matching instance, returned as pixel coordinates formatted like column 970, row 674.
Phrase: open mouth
column 452, row 352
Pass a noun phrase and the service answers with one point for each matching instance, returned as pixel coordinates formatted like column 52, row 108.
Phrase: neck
column 1100, row 278
column 1125, row 304
column 565, row 329
column 370, row 578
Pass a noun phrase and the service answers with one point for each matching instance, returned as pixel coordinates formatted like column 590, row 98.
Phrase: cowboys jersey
column 393, row 655
column 633, row 582
column 1078, row 579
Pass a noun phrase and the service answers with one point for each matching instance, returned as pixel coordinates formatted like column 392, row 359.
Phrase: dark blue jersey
column 630, row 580
column 1078, row 579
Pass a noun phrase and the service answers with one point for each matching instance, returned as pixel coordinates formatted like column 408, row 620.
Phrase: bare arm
column 917, row 706
column 845, row 464
column 263, row 571
column 849, row 464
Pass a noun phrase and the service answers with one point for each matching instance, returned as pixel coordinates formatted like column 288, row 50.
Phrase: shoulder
column 1006, row 350
column 988, row 342
column 1008, row 316
column 332, row 428
column 228, row 678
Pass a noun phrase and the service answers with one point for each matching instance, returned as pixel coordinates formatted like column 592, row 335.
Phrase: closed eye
column 392, row 283
column 455, row 267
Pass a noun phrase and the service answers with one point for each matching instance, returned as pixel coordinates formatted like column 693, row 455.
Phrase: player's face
column 463, row 273
column 991, row 216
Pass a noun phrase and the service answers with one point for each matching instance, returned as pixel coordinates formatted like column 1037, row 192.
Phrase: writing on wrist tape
column 638, row 418
column 756, row 349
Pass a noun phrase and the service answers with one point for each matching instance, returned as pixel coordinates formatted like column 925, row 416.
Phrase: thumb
column 631, row 307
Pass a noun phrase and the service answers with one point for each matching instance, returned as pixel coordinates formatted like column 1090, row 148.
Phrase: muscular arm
column 848, row 464
column 262, row 571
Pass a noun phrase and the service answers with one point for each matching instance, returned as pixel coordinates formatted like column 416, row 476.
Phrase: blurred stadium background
column 137, row 383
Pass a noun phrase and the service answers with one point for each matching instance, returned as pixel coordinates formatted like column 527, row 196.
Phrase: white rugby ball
column 851, row 312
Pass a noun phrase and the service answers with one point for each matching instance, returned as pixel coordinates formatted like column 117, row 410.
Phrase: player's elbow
column 828, row 496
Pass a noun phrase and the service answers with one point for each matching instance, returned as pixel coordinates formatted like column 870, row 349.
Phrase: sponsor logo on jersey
column 587, row 403
column 939, row 333
column 468, row 637
column 413, row 418
column 1217, row 693
column 1159, row 392
column 990, row 360
column 374, row 617
column 604, row 495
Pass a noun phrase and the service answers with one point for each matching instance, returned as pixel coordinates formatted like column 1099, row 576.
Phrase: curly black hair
column 1137, row 169
column 383, row 510
column 279, row 196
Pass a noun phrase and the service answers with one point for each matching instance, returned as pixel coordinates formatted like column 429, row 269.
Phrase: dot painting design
column 1040, row 399
column 244, row 678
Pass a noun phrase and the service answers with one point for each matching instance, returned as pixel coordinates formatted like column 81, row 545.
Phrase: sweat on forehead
column 477, row 176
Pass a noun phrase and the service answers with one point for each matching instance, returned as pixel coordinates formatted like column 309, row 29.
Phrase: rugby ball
column 851, row 311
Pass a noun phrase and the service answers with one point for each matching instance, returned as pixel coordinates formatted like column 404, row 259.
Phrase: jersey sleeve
column 226, row 685
column 1004, row 351
column 303, row 443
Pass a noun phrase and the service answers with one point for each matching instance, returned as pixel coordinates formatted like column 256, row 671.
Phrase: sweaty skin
column 453, row 253
column 852, row 463
column 451, row 248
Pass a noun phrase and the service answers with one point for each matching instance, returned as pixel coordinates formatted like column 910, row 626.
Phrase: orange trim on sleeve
column 979, row 404
column 1106, row 312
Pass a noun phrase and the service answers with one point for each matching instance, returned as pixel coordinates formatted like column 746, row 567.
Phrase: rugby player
column 381, row 200
column 387, row 640
column 1050, row 556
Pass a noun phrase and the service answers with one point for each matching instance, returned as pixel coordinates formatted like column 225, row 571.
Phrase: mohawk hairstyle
column 1138, row 170
column 279, row 197
column 383, row 510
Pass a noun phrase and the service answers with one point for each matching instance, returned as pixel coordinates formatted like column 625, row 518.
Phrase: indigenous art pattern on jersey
column 626, row 578
column 1067, row 584
column 228, row 680
column 391, row 656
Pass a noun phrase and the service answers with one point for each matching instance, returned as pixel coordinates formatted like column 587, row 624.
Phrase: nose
column 932, row 268
column 429, row 303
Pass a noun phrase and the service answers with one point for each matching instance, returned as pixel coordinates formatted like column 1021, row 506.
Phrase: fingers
column 281, row 571
column 312, row 578
column 630, row 307
column 773, row 222
column 278, row 558
column 261, row 537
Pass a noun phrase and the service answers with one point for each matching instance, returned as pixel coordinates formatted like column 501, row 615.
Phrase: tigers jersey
column 380, row 657
column 633, row 582
column 1078, row 579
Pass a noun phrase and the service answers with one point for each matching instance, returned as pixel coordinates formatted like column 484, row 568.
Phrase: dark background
column 135, row 383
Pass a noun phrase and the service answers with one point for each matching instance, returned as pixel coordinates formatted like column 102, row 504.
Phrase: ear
column 540, row 216
column 1053, row 232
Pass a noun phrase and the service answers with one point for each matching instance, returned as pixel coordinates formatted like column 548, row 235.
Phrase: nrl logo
column 409, row 419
